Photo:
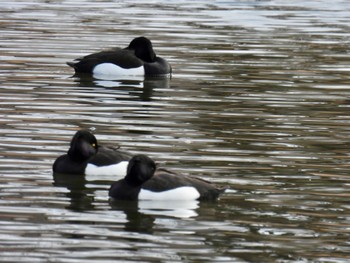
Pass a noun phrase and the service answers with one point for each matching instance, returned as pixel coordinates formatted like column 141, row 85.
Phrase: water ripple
column 257, row 102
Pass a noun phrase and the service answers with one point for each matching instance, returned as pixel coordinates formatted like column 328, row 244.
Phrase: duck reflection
column 178, row 208
column 136, row 221
column 80, row 197
column 140, row 87
column 141, row 215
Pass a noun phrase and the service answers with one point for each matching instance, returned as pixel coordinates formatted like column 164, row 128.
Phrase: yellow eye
column 93, row 145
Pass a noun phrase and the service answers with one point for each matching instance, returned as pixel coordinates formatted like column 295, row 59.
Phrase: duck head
column 143, row 49
column 83, row 146
column 140, row 169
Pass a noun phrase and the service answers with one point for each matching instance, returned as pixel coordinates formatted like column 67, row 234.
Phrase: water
column 258, row 102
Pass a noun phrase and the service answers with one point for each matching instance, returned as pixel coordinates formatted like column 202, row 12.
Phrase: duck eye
column 93, row 145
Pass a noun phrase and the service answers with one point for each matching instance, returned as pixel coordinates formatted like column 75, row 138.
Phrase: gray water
column 258, row 102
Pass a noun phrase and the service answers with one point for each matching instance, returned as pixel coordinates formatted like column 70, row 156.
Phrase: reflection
column 136, row 86
column 178, row 208
column 136, row 221
column 141, row 215
column 80, row 197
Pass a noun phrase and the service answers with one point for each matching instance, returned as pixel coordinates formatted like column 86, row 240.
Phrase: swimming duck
column 85, row 156
column 144, row 181
column 138, row 59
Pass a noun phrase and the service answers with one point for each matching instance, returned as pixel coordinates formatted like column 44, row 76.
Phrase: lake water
column 258, row 102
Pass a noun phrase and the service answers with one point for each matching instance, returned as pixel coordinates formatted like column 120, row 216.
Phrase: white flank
column 180, row 193
column 110, row 71
column 118, row 169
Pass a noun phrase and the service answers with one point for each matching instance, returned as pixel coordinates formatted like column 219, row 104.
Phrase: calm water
column 259, row 101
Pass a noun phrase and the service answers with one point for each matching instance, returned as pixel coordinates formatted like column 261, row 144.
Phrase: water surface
column 258, row 102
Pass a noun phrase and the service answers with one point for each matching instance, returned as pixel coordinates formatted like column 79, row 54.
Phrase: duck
column 137, row 59
column 143, row 181
column 86, row 157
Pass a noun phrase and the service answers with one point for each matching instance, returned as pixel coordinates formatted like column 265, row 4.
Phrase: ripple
column 257, row 103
